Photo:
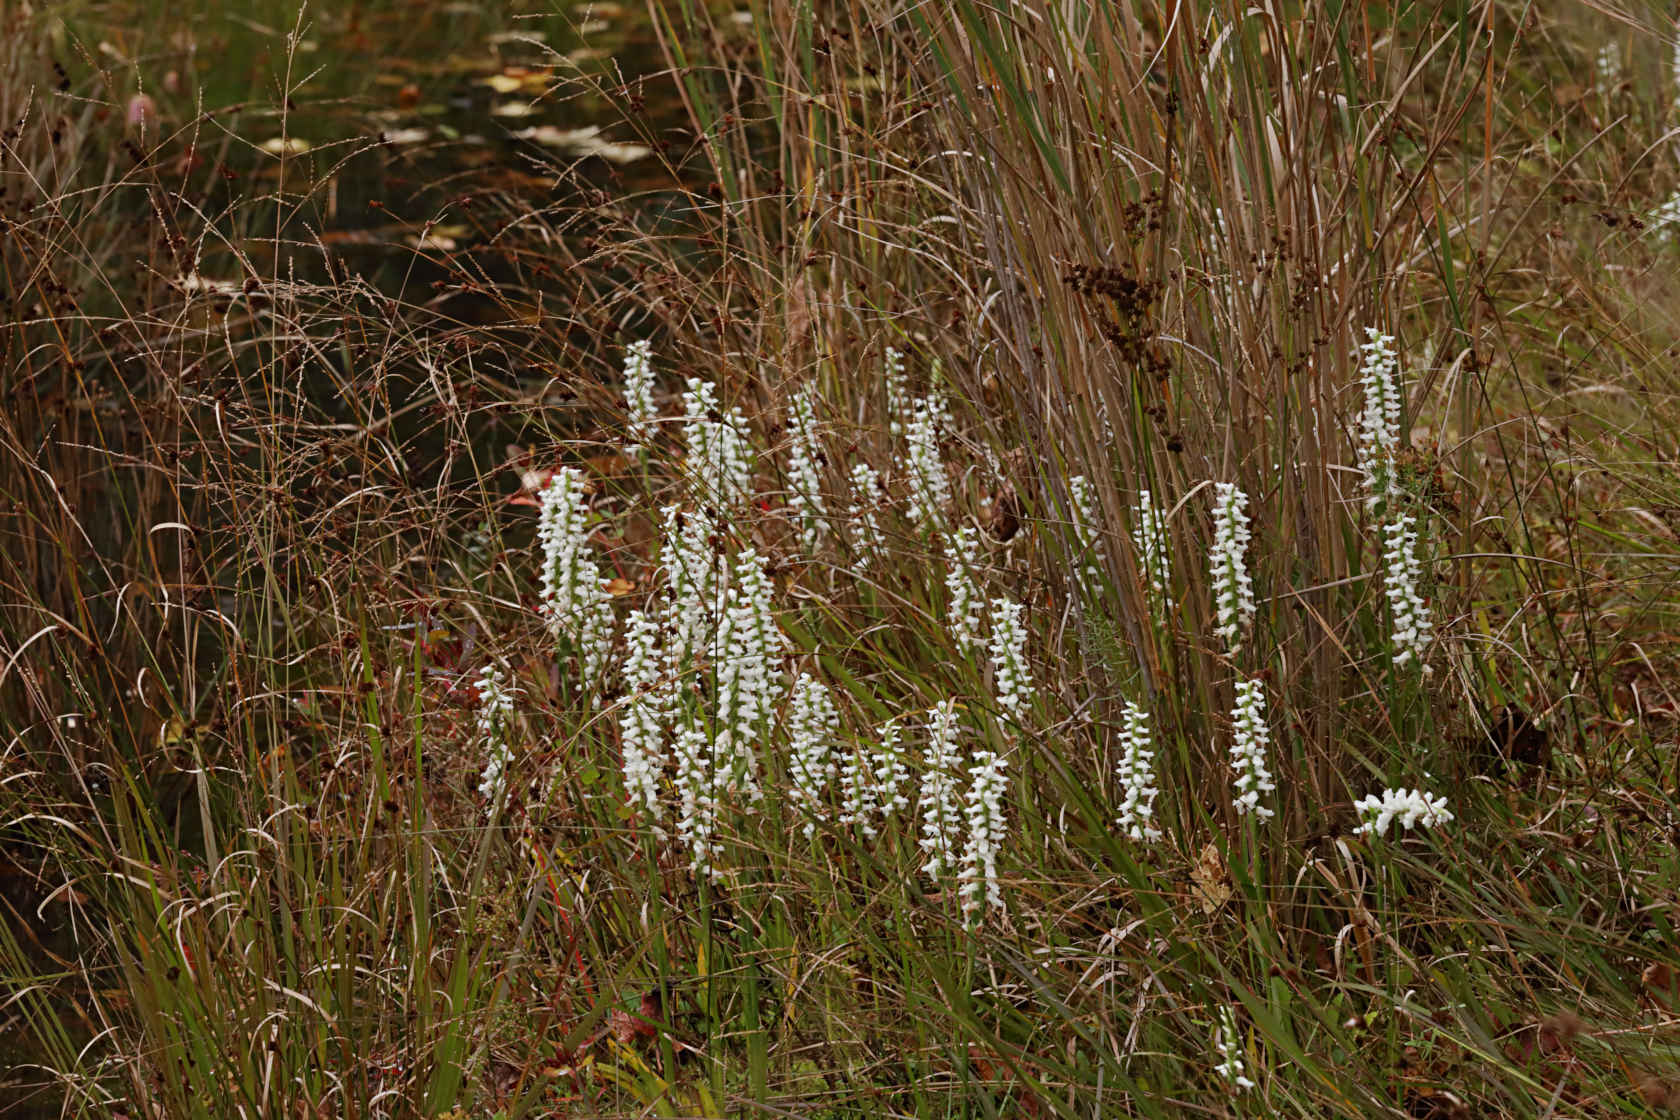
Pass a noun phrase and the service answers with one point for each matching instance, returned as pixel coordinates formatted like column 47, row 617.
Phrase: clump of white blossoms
column 1149, row 538
column 1666, row 217
column 862, row 527
column 891, row 774
column 1402, row 571
column 1094, row 558
column 645, row 715
column 1229, row 1047
column 495, row 708
column 898, row 393
column 962, row 560
column 1411, row 808
column 1136, row 771
column 720, row 458
column 697, row 797
column 930, row 488
column 749, row 645
column 858, row 794
column 977, row 878
column 1608, row 66
column 572, row 597
column 1249, row 738
column 1233, row 591
column 812, row 725
column 694, row 578
column 804, row 455
column 937, row 802
column 638, row 392
column 1379, row 423
column 1012, row 676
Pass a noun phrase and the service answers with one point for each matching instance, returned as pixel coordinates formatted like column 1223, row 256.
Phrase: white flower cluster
column 977, row 881
column 1149, row 538
column 1226, row 1042
column 1402, row 571
column 1249, row 738
column 1379, row 424
column 1087, row 531
column 1608, row 66
column 645, row 715
column 962, row 559
column 495, row 708
column 1665, row 218
column 891, row 774
column 1233, row 591
column 863, row 529
column 572, row 598
column 638, row 392
column 1411, row 808
column 898, row 392
column 930, row 488
column 1012, row 676
column 1136, row 772
column 858, row 804
column 694, row 577
column 937, row 802
column 872, row 783
column 720, row 458
column 718, row 616
column 804, row 456
column 697, row 797
column 749, row 645
column 812, row 725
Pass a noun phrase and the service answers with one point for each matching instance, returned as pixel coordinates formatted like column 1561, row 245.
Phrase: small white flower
column 1229, row 1046
column 720, row 458
column 1012, row 675
column 804, row 455
column 1249, row 738
column 1233, row 592
column 1410, row 807
column 645, row 715
column 898, row 394
column 749, row 645
column 937, row 802
column 930, row 488
column 812, row 726
column 863, row 529
column 694, row 579
column 1665, row 218
column 891, row 774
column 1149, row 539
column 1136, row 772
column 978, row 874
column 1379, row 423
column 1087, row 530
column 977, row 877
column 962, row 559
column 495, row 709
column 572, row 598
column 697, row 802
column 638, row 392
column 1402, row 571
column 1608, row 66
column 858, row 793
